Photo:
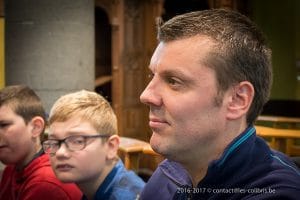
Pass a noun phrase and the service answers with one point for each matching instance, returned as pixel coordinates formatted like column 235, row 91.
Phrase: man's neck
column 197, row 170
column 198, row 166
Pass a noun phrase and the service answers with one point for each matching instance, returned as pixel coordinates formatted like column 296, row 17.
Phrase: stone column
column 49, row 46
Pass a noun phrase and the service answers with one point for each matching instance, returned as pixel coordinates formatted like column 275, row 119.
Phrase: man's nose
column 151, row 94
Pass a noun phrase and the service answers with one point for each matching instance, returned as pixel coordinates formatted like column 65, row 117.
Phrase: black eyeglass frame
column 59, row 142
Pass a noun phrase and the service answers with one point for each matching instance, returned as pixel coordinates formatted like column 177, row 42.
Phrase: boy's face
column 81, row 166
column 16, row 141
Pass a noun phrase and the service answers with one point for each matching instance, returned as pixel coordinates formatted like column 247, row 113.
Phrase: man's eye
column 172, row 81
column 3, row 125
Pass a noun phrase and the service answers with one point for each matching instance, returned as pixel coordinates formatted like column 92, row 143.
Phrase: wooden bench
column 282, row 122
column 280, row 138
column 131, row 149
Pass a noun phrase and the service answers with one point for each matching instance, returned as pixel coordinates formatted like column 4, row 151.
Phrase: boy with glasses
column 28, row 174
column 83, row 145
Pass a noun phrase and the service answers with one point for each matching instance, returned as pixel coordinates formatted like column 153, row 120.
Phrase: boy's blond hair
column 87, row 105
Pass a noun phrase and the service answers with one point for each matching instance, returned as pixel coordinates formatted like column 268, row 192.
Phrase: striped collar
column 235, row 144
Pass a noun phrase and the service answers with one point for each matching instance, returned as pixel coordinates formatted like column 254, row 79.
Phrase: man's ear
column 241, row 100
column 37, row 126
column 113, row 146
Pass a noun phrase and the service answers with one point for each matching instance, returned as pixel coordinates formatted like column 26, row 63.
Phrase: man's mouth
column 155, row 122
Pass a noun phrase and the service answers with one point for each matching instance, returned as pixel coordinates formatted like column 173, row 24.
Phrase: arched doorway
column 103, row 62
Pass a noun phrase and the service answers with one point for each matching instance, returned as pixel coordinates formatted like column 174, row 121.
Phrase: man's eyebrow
column 5, row 121
column 176, row 73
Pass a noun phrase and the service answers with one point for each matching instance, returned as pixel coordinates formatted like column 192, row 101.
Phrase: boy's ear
column 241, row 100
column 37, row 126
column 113, row 146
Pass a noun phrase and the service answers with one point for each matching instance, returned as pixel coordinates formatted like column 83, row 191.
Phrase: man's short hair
column 239, row 53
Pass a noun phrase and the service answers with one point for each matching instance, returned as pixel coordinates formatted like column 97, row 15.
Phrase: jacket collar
column 228, row 161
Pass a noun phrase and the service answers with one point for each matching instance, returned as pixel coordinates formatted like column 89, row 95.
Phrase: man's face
column 16, row 145
column 184, row 116
column 80, row 166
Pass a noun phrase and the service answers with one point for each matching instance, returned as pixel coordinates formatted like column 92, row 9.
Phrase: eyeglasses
column 73, row 143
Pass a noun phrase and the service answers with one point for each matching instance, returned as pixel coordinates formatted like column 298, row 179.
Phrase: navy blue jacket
column 248, row 169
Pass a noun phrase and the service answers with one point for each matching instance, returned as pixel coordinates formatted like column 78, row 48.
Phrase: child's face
column 16, row 142
column 79, row 166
